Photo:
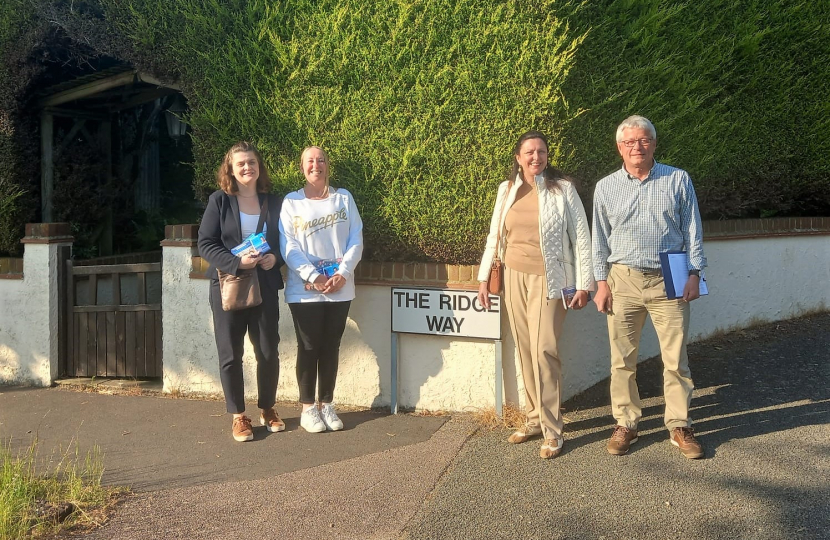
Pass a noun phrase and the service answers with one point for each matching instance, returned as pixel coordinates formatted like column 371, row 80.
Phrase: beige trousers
column 536, row 324
column 637, row 294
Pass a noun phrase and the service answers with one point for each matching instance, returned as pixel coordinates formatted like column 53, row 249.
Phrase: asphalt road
column 761, row 409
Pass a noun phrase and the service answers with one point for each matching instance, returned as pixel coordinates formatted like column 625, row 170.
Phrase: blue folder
column 675, row 266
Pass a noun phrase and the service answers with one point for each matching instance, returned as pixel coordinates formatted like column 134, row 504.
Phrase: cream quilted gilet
column 563, row 234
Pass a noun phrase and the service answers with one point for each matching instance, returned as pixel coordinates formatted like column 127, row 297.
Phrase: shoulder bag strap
column 263, row 213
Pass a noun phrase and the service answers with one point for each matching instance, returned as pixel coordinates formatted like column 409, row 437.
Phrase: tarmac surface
column 761, row 408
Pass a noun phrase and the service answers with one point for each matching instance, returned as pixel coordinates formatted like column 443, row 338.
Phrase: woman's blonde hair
column 226, row 179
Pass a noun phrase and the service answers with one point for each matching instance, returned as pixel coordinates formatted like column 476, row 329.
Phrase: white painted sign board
column 444, row 312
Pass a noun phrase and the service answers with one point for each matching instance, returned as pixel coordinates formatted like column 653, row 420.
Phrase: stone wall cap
column 47, row 233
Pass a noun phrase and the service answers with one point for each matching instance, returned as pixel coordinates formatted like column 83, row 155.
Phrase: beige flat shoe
column 523, row 434
column 551, row 448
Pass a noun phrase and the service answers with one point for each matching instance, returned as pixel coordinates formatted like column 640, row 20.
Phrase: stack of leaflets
column 568, row 295
column 254, row 244
column 328, row 267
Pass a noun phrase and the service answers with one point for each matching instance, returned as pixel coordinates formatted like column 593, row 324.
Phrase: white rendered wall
column 751, row 280
column 29, row 318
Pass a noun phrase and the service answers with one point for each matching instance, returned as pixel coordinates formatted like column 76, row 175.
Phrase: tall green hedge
column 416, row 101
column 420, row 101
column 739, row 91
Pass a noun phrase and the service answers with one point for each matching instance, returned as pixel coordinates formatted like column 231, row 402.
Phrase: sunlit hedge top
column 419, row 101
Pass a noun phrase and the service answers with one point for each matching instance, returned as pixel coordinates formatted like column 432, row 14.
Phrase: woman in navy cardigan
column 232, row 214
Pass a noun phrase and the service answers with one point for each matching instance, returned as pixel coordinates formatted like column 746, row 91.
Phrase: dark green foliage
column 419, row 101
column 19, row 165
column 738, row 91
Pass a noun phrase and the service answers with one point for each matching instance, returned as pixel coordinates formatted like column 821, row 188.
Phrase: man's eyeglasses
column 643, row 142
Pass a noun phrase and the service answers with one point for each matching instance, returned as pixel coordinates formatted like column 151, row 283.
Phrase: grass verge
column 68, row 495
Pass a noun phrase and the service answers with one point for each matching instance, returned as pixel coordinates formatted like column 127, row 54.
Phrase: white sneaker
column 330, row 418
column 310, row 421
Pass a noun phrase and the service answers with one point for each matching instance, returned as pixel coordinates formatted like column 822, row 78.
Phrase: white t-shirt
column 248, row 223
column 312, row 231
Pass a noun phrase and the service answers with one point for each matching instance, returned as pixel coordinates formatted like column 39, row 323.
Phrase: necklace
column 308, row 193
column 246, row 196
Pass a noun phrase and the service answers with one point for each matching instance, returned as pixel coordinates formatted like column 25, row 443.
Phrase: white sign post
column 444, row 312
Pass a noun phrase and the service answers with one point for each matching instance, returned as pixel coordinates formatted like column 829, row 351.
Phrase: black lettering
column 412, row 300
column 444, row 301
column 434, row 323
column 448, row 327
column 424, row 298
column 398, row 295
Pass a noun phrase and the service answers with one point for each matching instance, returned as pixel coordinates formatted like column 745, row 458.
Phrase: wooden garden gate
column 113, row 320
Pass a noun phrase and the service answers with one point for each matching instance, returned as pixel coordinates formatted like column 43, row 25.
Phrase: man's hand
column 483, row 295
column 267, row 261
column 579, row 301
column 692, row 289
column 603, row 299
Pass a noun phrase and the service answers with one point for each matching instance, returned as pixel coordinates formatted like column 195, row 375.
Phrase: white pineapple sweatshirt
column 318, row 230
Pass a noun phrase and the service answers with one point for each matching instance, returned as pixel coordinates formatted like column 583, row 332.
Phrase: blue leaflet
column 256, row 243
column 327, row 267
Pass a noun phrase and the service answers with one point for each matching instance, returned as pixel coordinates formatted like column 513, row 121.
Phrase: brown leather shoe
column 523, row 434
column 271, row 420
column 242, row 430
column 684, row 439
column 621, row 440
column 551, row 448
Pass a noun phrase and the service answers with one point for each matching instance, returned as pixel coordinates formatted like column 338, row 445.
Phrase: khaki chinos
column 536, row 324
column 636, row 294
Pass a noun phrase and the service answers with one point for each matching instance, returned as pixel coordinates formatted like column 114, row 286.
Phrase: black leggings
column 319, row 327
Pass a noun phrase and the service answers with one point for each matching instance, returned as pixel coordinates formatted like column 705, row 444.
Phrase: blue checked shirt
column 635, row 221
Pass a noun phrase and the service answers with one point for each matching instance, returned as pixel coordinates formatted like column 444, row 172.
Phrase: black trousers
column 262, row 325
column 319, row 327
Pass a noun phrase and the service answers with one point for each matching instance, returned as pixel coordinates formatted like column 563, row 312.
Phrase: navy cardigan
column 221, row 230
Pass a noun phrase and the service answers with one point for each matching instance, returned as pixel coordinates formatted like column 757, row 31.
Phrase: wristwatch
column 694, row 273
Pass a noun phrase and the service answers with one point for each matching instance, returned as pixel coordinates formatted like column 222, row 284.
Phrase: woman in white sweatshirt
column 321, row 240
column 541, row 234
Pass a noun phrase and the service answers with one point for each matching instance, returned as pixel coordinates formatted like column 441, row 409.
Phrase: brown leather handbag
column 241, row 291
column 495, row 282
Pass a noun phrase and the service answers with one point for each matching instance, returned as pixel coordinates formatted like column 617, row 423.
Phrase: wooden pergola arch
column 95, row 97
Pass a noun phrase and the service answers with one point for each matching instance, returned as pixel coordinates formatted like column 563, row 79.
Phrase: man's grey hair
column 636, row 121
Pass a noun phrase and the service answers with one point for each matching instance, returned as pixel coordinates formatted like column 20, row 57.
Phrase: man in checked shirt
column 641, row 210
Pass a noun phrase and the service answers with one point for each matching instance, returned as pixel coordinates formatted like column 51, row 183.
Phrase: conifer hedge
column 419, row 101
